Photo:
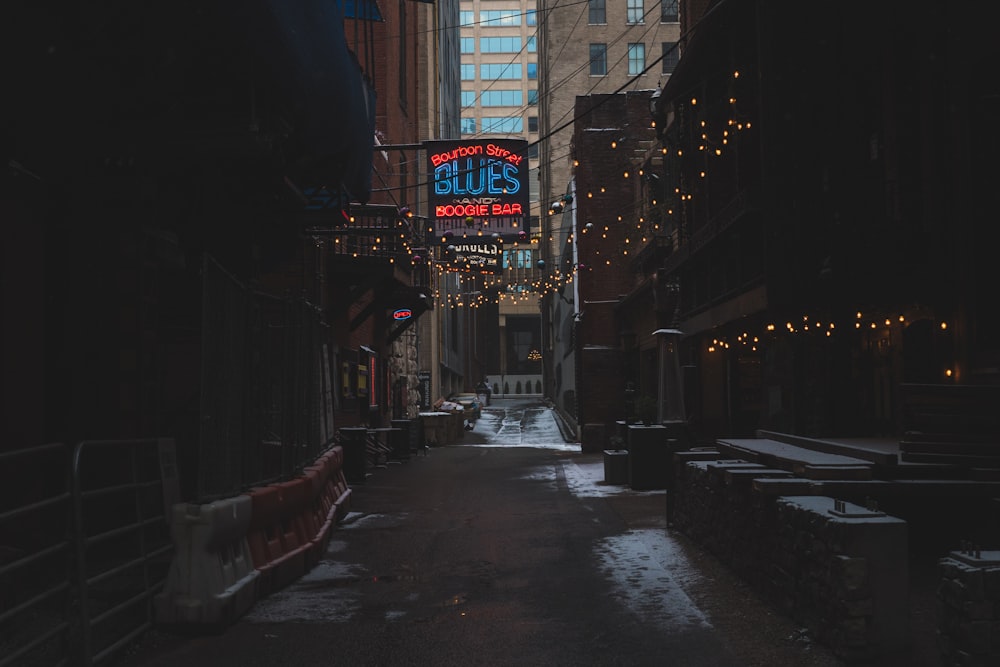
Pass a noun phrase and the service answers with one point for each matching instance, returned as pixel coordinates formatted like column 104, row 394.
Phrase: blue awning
column 332, row 103
column 367, row 10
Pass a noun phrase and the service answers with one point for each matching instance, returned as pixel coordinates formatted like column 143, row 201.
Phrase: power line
column 608, row 96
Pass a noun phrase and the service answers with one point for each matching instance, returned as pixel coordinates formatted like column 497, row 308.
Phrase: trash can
column 648, row 458
column 616, row 466
column 353, row 440
column 400, row 438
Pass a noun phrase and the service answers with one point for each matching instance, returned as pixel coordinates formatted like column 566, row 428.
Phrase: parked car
column 469, row 402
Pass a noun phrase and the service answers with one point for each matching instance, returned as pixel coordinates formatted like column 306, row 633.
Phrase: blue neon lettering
column 493, row 177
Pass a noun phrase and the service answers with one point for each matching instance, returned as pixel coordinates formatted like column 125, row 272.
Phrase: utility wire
column 714, row 8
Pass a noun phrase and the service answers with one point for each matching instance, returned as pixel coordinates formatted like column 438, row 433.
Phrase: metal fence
column 84, row 546
column 36, row 557
column 122, row 493
column 262, row 393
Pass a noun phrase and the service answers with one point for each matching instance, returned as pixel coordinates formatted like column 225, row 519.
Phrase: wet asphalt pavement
column 506, row 549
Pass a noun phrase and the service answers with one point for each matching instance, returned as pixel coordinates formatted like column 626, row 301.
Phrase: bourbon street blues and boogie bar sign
column 478, row 188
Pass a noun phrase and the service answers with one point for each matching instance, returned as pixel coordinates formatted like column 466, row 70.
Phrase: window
column 531, row 18
column 468, row 44
column 516, row 259
column 636, row 58
column 533, row 96
column 499, row 125
column 499, row 44
column 668, row 11
column 597, row 15
column 468, row 98
column 532, row 44
column 466, row 19
column 532, row 123
column 468, row 72
column 598, row 59
column 498, row 71
column 670, row 57
column 468, row 126
column 532, row 71
column 500, row 17
column 633, row 12
column 502, row 98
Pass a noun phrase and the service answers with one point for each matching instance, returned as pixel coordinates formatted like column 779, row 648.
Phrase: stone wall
column 969, row 608
column 837, row 568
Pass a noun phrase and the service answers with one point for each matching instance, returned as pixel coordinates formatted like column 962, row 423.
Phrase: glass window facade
column 506, row 125
column 636, row 59
column 468, row 98
column 517, row 259
column 467, row 44
column 671, row 54
column 502, row 98
column 598, row 59
column 633, row 12
column 497, row 44
column 532, row 71
column 466, row 19
column 499, row 71
column 668, row 11
column 468, row 72
column 468, row 126
column 500, row 17
column 597, row 14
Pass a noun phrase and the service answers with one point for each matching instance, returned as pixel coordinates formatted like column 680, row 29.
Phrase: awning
column 367, row 10
column 304, row 47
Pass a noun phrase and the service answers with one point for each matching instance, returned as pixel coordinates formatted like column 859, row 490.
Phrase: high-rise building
column 500, row 76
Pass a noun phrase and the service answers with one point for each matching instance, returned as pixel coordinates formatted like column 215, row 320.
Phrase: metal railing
column 36, row 554
column 122, row 492
column 84, row 546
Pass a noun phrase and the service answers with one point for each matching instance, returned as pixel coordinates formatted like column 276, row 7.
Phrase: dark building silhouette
column 180, row 257
column 812, row 218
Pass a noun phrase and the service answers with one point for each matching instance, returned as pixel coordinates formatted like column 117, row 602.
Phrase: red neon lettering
column 507, row 209
column 460, row 151
column 459, row 210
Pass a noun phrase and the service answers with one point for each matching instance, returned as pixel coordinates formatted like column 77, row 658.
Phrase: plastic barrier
column 317, row 523
column 212, row 580
column 277, row 543
column 328, row 500
column 339, row 488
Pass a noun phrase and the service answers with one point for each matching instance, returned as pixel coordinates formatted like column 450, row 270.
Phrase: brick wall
column 606, row 198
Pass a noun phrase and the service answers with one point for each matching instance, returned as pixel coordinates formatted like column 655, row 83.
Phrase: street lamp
column 654, row 101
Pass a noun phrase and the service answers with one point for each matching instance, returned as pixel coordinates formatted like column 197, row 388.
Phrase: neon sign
column 402, row 314
column 479, row 187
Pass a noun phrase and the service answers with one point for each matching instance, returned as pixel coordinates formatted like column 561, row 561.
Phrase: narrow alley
column 506, row 549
